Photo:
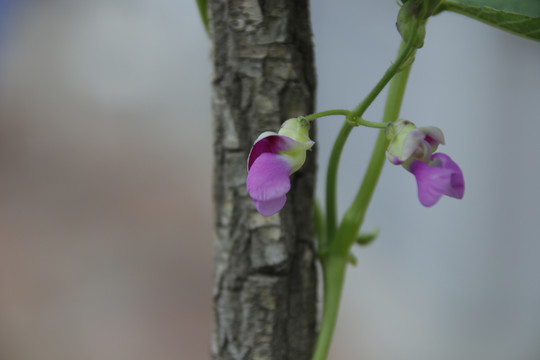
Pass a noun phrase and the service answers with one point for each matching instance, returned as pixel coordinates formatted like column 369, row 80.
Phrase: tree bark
column 265, row 277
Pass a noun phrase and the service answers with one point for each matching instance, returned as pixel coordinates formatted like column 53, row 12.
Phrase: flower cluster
column 413, row 148
column 273, row 158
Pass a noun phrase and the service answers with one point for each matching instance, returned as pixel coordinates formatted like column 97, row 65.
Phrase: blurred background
column 105, row 185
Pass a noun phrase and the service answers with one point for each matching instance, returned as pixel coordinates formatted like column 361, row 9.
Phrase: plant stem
column 370, row 124
column 334, row 275
column 404, row 52
column 331, row 178
column 327, row 113
column 355, row 214
column 331, row 175
column 334, row 263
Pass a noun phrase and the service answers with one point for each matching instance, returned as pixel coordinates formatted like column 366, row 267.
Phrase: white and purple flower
column 273, row 158
column 436, row 174
column 406, row 141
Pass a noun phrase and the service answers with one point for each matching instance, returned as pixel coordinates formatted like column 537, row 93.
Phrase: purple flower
column 273, row 158
column 440, row 176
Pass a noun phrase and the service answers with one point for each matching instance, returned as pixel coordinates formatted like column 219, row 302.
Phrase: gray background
column 105, row 185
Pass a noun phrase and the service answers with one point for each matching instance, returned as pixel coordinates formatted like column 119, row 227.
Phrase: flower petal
column 442, row 176
column 432, row 181
column 434, row 136
column 270, row 207
column 270, row 142
column 268, row 177
column 413, row 141
column 393, row 159
column 457, row 183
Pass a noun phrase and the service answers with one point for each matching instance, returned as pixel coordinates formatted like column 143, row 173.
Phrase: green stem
column 405, row 51
column 334, row 262
column 334, row 275
column 355, row 121
column 370, row 124
column 355, row 215
column 331, row 175
column 331, row 178
column 327, row 113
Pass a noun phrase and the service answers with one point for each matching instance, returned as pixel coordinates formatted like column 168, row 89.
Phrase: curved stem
column 327, row 113
column 331, row 179
column 331, row 175
column 405, row 52
column 355, row 215
column 349, row 115
column 335, row 261
column 370, row 124
column 334, row 275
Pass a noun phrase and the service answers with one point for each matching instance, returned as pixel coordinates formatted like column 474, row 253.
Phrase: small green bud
column 407, row 16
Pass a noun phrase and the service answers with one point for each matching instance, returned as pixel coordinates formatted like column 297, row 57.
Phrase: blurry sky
column 105, row 185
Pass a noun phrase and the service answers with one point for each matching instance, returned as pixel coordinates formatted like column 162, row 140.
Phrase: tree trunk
column 265, row 278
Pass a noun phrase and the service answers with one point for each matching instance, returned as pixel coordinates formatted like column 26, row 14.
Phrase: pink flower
column 273, row 158
column 440, row 176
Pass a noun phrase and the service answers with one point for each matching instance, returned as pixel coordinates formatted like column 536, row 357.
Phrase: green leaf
column 203, row 11
column 352, row 259
column 520, row 17
column 367, row 238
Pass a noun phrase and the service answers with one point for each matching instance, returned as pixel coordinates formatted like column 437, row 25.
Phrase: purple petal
column 272, row 143
column 457, row 183
column 432, row 181
column 270, row 207
column 268, row 182
column 441, row 177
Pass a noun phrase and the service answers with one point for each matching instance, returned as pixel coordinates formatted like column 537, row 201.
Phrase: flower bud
column 407, row 141
column 408, row 14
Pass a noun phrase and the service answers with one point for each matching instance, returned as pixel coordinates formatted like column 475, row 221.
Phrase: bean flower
column 413, row 148
column 273, row 158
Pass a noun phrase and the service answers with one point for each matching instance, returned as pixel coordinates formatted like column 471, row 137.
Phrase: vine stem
column 406, row 50
column 334, row 276
column 335, row 261
column 327, row 113
column 355, row 121
column 331, row 179
column 354, row 216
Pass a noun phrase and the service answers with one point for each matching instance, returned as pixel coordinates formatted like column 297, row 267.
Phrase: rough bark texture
column 265, row 278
